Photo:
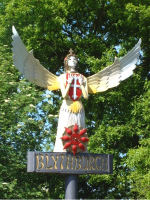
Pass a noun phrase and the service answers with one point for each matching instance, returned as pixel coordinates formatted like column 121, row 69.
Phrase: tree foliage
column 117, row 120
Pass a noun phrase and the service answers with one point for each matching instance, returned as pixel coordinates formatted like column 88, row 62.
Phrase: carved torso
column 75, row 91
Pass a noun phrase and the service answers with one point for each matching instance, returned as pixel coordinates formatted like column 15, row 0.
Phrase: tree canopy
column 118, row 120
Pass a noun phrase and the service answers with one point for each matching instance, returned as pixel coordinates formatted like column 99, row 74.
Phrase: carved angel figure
column 72, row 84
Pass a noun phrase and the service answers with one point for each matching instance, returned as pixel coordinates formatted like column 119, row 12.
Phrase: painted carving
column 72, row 84
column 75, row 140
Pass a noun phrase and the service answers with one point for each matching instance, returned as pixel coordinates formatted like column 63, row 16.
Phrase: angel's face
column 72, row 62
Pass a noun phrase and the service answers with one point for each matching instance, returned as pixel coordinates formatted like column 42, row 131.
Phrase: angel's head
column 70, row 61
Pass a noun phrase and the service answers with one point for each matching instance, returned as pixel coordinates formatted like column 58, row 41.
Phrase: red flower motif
column 74, row 139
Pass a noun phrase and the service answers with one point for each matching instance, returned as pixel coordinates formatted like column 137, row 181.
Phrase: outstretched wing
column 30, row 67
column 112, row 75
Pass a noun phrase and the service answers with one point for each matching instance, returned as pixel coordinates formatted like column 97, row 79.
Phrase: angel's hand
column 70, row 79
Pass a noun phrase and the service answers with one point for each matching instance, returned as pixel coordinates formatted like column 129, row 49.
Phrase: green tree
column 119, row 123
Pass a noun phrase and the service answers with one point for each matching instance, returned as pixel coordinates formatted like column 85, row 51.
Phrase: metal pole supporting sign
column 71, row 187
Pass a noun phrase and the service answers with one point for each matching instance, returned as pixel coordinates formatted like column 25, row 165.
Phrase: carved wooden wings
column 109, row 77
column 112, row 75
column 30, row 67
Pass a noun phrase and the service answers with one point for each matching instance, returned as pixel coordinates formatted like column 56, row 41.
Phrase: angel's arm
column 84, row 87
column 64, row 89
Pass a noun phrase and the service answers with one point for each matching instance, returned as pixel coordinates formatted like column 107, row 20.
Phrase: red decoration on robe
column 75, row 139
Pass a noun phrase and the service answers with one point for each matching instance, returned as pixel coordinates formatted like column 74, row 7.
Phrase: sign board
column 67, row 163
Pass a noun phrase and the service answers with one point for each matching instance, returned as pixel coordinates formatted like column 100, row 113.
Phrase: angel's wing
column 30, row 67
column 112, row 75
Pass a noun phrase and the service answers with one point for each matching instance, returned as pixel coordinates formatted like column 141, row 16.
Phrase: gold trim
column 74, row 106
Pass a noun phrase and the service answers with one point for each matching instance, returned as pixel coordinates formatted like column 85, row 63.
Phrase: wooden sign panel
column 67, row 163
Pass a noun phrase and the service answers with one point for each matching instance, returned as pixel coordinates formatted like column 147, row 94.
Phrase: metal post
column 71, row 187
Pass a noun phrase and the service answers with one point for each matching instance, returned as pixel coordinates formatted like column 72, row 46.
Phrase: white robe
column 67, row 118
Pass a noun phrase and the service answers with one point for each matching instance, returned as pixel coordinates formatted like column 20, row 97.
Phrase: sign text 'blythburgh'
column 67, row 163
